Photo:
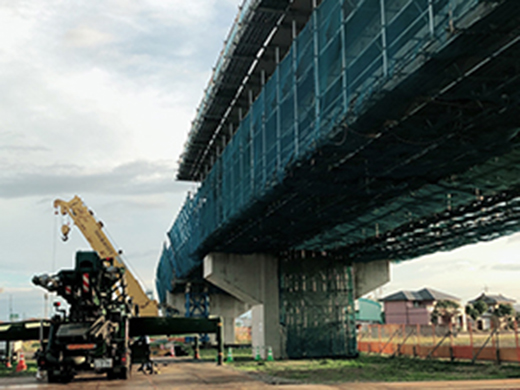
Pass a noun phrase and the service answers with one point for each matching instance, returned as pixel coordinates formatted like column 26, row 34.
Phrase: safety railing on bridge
column 441, row 342
column 348, row 53
column 229, row 43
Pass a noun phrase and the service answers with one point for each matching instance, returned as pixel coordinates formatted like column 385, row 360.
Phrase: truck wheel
column 51, row 378
column 111, row 375
column 124, row 373
column 59, row 378
column 67, row 377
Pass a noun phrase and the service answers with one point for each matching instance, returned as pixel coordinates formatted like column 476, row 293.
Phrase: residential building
column 416, row 307
column 493, row 301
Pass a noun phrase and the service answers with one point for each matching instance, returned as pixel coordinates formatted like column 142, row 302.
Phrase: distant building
column 492, row 301
column 416, row 307
column 368, row 311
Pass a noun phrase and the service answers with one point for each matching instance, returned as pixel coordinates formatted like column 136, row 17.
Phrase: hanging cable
column 126, row 263
column 54, row 240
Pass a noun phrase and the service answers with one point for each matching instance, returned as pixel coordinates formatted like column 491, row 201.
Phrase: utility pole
column 12, row 316
column 45, row 305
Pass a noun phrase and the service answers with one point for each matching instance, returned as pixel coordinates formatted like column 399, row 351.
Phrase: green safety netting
column 352, row 138
column 388, row 131
column 317, row 307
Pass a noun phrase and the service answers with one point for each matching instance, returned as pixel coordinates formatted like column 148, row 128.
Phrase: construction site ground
column 187, row 374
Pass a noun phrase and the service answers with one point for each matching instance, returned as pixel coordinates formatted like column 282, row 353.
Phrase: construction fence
column 441, row 342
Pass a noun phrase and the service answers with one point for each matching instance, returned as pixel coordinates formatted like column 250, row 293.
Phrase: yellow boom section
column 92, row 230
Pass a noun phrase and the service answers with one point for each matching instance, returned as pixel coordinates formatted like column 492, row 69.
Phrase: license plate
column 103, row 363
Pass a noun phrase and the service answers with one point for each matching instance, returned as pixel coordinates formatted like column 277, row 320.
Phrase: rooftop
column 493, row 299
column 426, row 294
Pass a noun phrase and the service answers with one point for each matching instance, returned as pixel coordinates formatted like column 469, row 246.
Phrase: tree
column 444, row 309
column 476, row 309
column 504, row 311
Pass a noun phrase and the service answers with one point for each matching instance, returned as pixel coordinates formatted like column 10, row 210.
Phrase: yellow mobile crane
column 93, row 231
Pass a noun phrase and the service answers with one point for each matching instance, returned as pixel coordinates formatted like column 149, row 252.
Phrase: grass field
column 367, row 368
column 373, row 368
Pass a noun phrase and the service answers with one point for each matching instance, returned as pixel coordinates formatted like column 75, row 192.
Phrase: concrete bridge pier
column 229, row 308
column 252, row 279
column 302, row 303
column 222, row 305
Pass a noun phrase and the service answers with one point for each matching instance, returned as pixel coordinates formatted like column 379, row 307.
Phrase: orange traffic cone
column 21, row 366
column 8, row 363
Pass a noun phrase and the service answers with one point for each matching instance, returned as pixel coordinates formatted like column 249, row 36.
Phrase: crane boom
column 92, row 230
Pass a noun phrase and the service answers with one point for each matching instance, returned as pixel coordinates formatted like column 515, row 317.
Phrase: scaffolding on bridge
column 358, row 128
column 340, row 64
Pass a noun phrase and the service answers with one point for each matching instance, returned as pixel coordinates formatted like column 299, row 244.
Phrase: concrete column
column 252, row 279
column 222, row 305
column 257, row 330
column 177, row 301
column 229, row 330
column 369, row 276
column 229, row 308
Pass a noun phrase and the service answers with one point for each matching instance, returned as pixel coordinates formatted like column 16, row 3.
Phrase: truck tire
column 51, row 378
column 124, row 374
column 59, row 378
column 111, row 375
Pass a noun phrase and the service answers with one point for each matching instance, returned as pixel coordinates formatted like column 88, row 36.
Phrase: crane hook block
column 65, row 229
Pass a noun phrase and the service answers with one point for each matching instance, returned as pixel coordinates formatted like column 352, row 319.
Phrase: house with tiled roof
column 416, row 307
column 493, row 301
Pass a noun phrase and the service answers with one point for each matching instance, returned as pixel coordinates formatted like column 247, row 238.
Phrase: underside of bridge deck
column 399, row 138
column 439, row 152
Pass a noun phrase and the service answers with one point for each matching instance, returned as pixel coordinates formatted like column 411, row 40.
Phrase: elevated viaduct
column 336, row 136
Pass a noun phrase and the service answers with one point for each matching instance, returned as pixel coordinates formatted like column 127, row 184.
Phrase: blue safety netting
column 164, row 273
column 349, row 53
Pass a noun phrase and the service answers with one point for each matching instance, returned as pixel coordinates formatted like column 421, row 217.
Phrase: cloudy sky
column 96, row 100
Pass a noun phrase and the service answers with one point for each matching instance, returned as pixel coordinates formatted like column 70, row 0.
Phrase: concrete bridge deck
column 350, row 142
column 388, row 130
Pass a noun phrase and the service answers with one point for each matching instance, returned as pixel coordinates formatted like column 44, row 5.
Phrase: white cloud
column 134, row 178
column 97, row 99
column 83, row 36
column 464, row 272
column 15, row 32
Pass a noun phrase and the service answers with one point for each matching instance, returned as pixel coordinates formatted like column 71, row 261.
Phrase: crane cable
column 138, row 277
column 55, row 239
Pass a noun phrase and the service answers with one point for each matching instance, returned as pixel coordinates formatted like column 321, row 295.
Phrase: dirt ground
column 188, row 375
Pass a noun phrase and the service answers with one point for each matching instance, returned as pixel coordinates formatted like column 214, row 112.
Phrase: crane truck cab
column 93, row 334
